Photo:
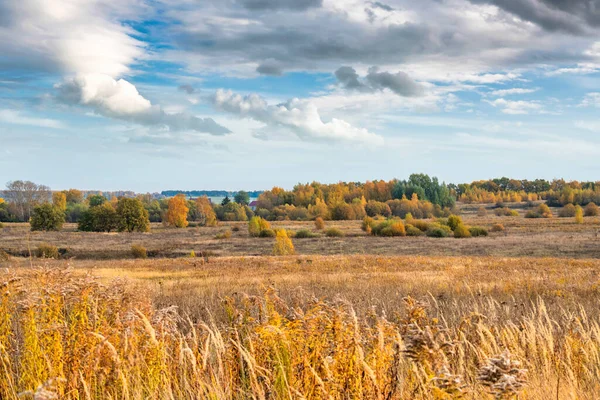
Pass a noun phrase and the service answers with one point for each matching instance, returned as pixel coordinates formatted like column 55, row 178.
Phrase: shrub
column 497, row 228
column 319, row 223
column 506, row 212
column 192, row 254
column 343, row 212
column 267, row 233
column 367, row 224
column 454, row 221
column 138, row 251
column 45, row 250
column 304, row 234
column 256, row 225
column 578, row 215
column 283, row 244
column 223, row 235
column 4, row 256
column 389, row 228
column 438, row 230
column 334, row 232
column 47, row 217
column 421, row 225
column 478, row 231
column 412, row 231
column 591, row 210
column 567, row 211
column 545, row 211
column 532, row 214
column 374, row 208
column 481, row 212
column 461, row 231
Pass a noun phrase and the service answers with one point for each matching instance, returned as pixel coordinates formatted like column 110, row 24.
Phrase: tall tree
column 177, row 212
column 59, row 199
column 133, row 217
column 24, row 196
column 242, row 197
column 207, row 216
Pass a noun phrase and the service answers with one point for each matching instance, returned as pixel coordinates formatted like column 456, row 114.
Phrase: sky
column 151, row 95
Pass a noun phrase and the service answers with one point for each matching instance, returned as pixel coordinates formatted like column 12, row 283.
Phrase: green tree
column 242, row 197
column 225, row 201
column 101, row 218
column 47, row 217
column 96, row 200
column 133, row 217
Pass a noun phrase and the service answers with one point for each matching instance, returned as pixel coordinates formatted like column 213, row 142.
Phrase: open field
column 302, row 327
column 555, row 237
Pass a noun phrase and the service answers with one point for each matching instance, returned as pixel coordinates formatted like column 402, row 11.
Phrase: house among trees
column 253, row 205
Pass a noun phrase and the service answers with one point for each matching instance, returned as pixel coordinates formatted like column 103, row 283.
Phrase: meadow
column 511, row 315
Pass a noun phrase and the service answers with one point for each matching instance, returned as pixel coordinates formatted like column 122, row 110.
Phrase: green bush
column 390, row 227
column 334, row 232
column 420, row 225
column 138, row 251
column 454, row 221
column 47, row 217
column 268, row 233
column 478, row 231
column 412, row 231
column 438, row 230
column 304, row 234
column 45, row 250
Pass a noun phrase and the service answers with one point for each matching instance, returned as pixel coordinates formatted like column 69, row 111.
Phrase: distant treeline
column 207, row 193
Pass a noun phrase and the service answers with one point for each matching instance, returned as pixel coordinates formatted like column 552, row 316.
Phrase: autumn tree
column 59, row 199
column 47, row 217
column 257, row 225
column 177, row 212
column 24, row 196
column 578, row 214
column 74, row 196
column 132, row 215
column 100, row 218
column 283, row 244
column 96, row 200
column 207, row 216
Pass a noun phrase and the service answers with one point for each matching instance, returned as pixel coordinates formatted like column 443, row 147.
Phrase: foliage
column 176, row 215
column 413, row 231
column 481, row 212
column 242, row 197
column 47, row 217
column 498, row 228
column 542, row 211
column 454, row 221
column 334, row 232
column 343, row 211
column 267, row 233
column 59, row 200
column 368, row 224
column 478, row 231
column 133, row 217
column 257, row 225
column 283, row 244
column 567, row 211
column 437, row 230
column 96, row 200
column 506, row 212
column 45, row 250
column 23, row 196
column 304, row 234
column 100, row 218
column 461, row 231
column 592, row 210
column 75, row 211
column 225, row 201
column 578, row 214
column 319, row 223
column 138, row 251
column 224, row 235
column 207, row 216
column 231, row 212
column 375, row 208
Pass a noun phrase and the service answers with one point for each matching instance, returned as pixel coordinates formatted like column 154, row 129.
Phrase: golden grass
column 301, row 327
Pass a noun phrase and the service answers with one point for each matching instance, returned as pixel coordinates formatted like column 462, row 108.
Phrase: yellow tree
column 579, row 215
column 177, row 213
column 59, row 199
column 283, row 244
column 206, row 212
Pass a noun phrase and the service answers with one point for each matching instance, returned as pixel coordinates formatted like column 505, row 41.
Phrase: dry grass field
column 512, row 315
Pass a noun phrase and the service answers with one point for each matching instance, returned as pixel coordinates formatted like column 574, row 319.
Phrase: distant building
column 253, row 205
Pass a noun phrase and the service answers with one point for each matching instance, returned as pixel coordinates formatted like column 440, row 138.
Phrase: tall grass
column 71, row 337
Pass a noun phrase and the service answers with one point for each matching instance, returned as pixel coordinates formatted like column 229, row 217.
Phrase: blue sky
column 247, row 94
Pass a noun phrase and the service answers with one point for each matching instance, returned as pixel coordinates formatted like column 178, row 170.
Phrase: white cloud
column 16, row 118
column 516, row 107
column 509, row 92
column 120, row 99
column 300, row 116
column 591, row 100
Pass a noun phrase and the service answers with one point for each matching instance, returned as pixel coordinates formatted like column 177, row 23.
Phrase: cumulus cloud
column 120, row 99
column 399, row 83
column 299, row 116
column 69, row 36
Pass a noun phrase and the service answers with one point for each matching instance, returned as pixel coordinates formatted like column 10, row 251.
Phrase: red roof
column 253, row 203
